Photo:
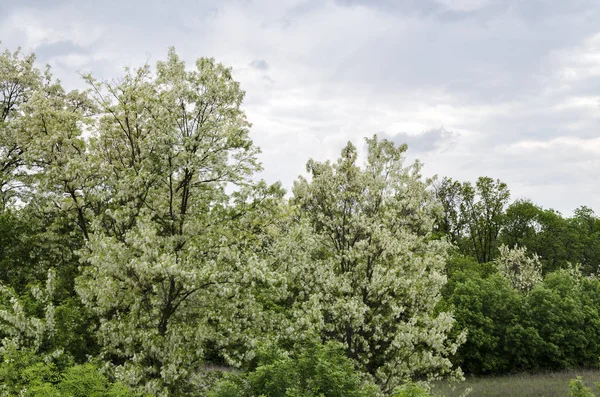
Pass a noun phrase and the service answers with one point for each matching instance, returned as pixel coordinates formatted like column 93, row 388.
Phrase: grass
column 551, row 384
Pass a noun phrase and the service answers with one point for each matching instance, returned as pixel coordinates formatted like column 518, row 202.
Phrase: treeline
column 139, row 255
column 479, row 218
column 522, row 281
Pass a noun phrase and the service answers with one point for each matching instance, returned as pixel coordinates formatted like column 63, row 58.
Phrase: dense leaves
column 317, row 370
column 22, row 373
column 557, row 240
column 473, row 216
column 139, row 254
column 135, row 234
column 554, row 326
column 379, row 274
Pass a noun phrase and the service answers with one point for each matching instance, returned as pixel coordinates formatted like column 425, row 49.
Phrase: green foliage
column 412, row 390
column 554, row 326
column 23, row 373
column 367, row 270
column 487, row 308
column 169, row 259
column 132, row 232
column 578, row 388
column 36, row 320
column 521, row 224
column 315, row 371
column 32, row 243
column 472, row 216
column 16, row 267
column 565, row 321
column 477, row 220
column 460, row 263
column 557, row 240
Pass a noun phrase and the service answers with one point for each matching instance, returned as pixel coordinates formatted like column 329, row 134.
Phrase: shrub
column 412, row 390
column 317, row 370
column 579, row 389
column 23, row 373
column 556, row 325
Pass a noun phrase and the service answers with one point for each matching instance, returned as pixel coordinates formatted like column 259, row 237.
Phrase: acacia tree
column 167, row 268
column 370, row 265
column 19, row 79
column 523, row 271
column 140, row 165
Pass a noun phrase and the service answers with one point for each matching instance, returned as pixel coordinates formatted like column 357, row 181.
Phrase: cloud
column 515, row 84
column 50, row 50
column 574, row 145
column 427, row 141
column 260, row 64
column 465, row 5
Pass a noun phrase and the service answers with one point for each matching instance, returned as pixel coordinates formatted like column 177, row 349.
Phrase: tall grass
column 550, row 384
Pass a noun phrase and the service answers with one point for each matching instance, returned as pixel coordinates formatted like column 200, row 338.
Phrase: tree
column 587, row 232
column 483, row 208
column 23, row 373
column 18, row 80
column 522, row 271
column 499, row 338
column 167, row 265
column 450, row 220
column 521, row 224
column 375, row 272
column 472, row 216
column 552, row 326
column 557, row 240
column 170, row 223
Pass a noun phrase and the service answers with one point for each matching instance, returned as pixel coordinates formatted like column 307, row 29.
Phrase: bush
column 412, row 390
column 487, row 308
column 554, row 326
column 23, row 373
column 579, row 389
column 317, row 370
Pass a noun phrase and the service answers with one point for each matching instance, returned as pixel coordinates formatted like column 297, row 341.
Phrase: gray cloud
column 426, row 141
column 59, row 48
column 260, row 64
column 511, row 81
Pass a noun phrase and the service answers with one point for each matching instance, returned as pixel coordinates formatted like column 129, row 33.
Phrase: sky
column 503, row 88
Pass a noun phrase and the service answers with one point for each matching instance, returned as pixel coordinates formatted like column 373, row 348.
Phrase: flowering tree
column 371, row 266
column 167, row 264
column 19, row 79
column 523, row 271
column 182, row 256
column 141, row 166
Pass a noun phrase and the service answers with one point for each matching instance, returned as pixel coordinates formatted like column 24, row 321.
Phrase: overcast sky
column 504, row 88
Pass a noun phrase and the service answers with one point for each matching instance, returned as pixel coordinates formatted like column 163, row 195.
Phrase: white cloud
column 578, row 145
column 464, row 5
column 516, row 86
column 34, row 29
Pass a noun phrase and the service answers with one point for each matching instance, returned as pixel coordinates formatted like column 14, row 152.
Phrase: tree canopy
column 141, row 255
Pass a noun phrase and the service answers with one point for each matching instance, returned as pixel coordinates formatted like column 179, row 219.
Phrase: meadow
column 548, row 384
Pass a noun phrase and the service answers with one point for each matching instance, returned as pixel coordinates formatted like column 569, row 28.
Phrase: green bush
column 316, row 371
column 487, row 308
column 22, row 373
column 412, row 390
column 579, row 389
column 554, row 326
